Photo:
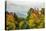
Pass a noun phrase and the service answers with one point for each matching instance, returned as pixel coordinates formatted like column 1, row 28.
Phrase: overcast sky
column 21, row 7
column 29, row 3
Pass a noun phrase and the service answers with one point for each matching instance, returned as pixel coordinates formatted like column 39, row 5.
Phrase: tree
column 35, row 20
column 43, row 11
column 10, row 22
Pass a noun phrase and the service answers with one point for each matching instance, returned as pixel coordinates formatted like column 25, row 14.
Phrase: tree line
column 35, row 19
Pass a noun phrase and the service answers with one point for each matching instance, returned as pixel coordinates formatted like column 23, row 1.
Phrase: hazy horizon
column 21, row 8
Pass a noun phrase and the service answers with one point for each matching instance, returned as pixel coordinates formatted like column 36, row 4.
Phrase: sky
column 29, row 3
column 21, row 7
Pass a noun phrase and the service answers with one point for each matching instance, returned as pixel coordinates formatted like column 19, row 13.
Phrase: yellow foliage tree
column 10, row 22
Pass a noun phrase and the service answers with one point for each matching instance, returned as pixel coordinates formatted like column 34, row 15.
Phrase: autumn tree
column 34, row 20
column 10, row 21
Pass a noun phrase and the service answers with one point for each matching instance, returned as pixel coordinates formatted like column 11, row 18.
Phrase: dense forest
column 35, row 19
